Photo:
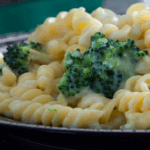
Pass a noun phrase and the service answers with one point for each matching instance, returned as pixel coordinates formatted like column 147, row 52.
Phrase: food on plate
column 81, row 70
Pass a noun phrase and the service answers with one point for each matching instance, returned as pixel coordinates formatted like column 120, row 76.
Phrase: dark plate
column 30, row 136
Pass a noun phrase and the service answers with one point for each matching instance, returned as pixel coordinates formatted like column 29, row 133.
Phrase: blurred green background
column 25, row 16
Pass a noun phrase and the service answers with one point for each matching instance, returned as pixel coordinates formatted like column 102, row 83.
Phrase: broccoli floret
column 103, row 68
column 19, row 56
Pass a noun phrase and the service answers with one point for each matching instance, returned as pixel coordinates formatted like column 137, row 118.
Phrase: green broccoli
column 19, row 56
column 1, row 67
column 103, row 68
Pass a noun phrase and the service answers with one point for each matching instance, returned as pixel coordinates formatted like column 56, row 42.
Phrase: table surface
column 9, row 39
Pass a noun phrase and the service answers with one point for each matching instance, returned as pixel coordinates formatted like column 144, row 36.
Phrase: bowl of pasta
column 78, row 74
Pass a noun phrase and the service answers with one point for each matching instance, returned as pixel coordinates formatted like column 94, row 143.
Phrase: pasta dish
column 81, row 70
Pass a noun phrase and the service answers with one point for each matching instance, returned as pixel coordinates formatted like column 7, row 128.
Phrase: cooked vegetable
column 19, row 56
column 103, row 68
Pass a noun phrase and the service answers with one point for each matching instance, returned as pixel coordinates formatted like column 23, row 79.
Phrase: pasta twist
column 69, row 16
column 85, row 38
column 130, row 83
column 123, row 20
column 137, row 7
column 105, row 15
column 67, row 37
column 143, row 66
column 132, row 101
column 137, row 120
column 142, row 84
column 91, row 101
column 55, row 114
column 7, row 80
column 94, row 101
column 122, row 34
column 26, row 76
column 85, row 23
column 60, row 23
column 56, row 49
column 46, row 75
column 5, row 100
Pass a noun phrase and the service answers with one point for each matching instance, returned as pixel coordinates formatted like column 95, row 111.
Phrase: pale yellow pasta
column 25, row 92
column 85, row 38
column 131, row 82
column 87, row 118
column 105, row 15
column 122, row 34
column 56, row 48
column 142, row 84
column 31, row 94
column 136, row 7
column 110, row 12
column 116, row 120
column 143, row 67
column 25, row 109
column 17, row 91
column 55, row 90
column 41, row 35
column 4, row 86
column 56, row 114
column 107, row 18
column 67, row 37
column 8, row 76
column 29, row 83
column 137, row 120
column 95, row 101
column 140, row 44
column 108, row 29
column 74, row 40
column 85, row 22
column 145, row 26
column 142, row 17
column 98, row 11
column 88, row 101
column 43, row 99
column 33, row 67
column 5, row 100
column 69, row 16
column 45, row 70
column 26, row 76
column 46, row 75
column 135, row 33
column 123, row 20
column 62, row 100
column 107, row 111
column 4, row 109
column 77, row 15
column 57, row 68
column 60, row 24
column 132, row 101
column 76, row 46
column 4, row 95
column 7, row 80
column 147, row 40
column 147, row 33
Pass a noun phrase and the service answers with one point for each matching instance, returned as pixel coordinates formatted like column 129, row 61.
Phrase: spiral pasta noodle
column 137, row 120
column 132, row 101
column 55, row 114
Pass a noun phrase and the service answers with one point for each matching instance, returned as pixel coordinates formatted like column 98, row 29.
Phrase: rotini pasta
column 34, row 97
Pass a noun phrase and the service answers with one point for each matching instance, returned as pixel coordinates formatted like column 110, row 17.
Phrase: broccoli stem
column 39, row 57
